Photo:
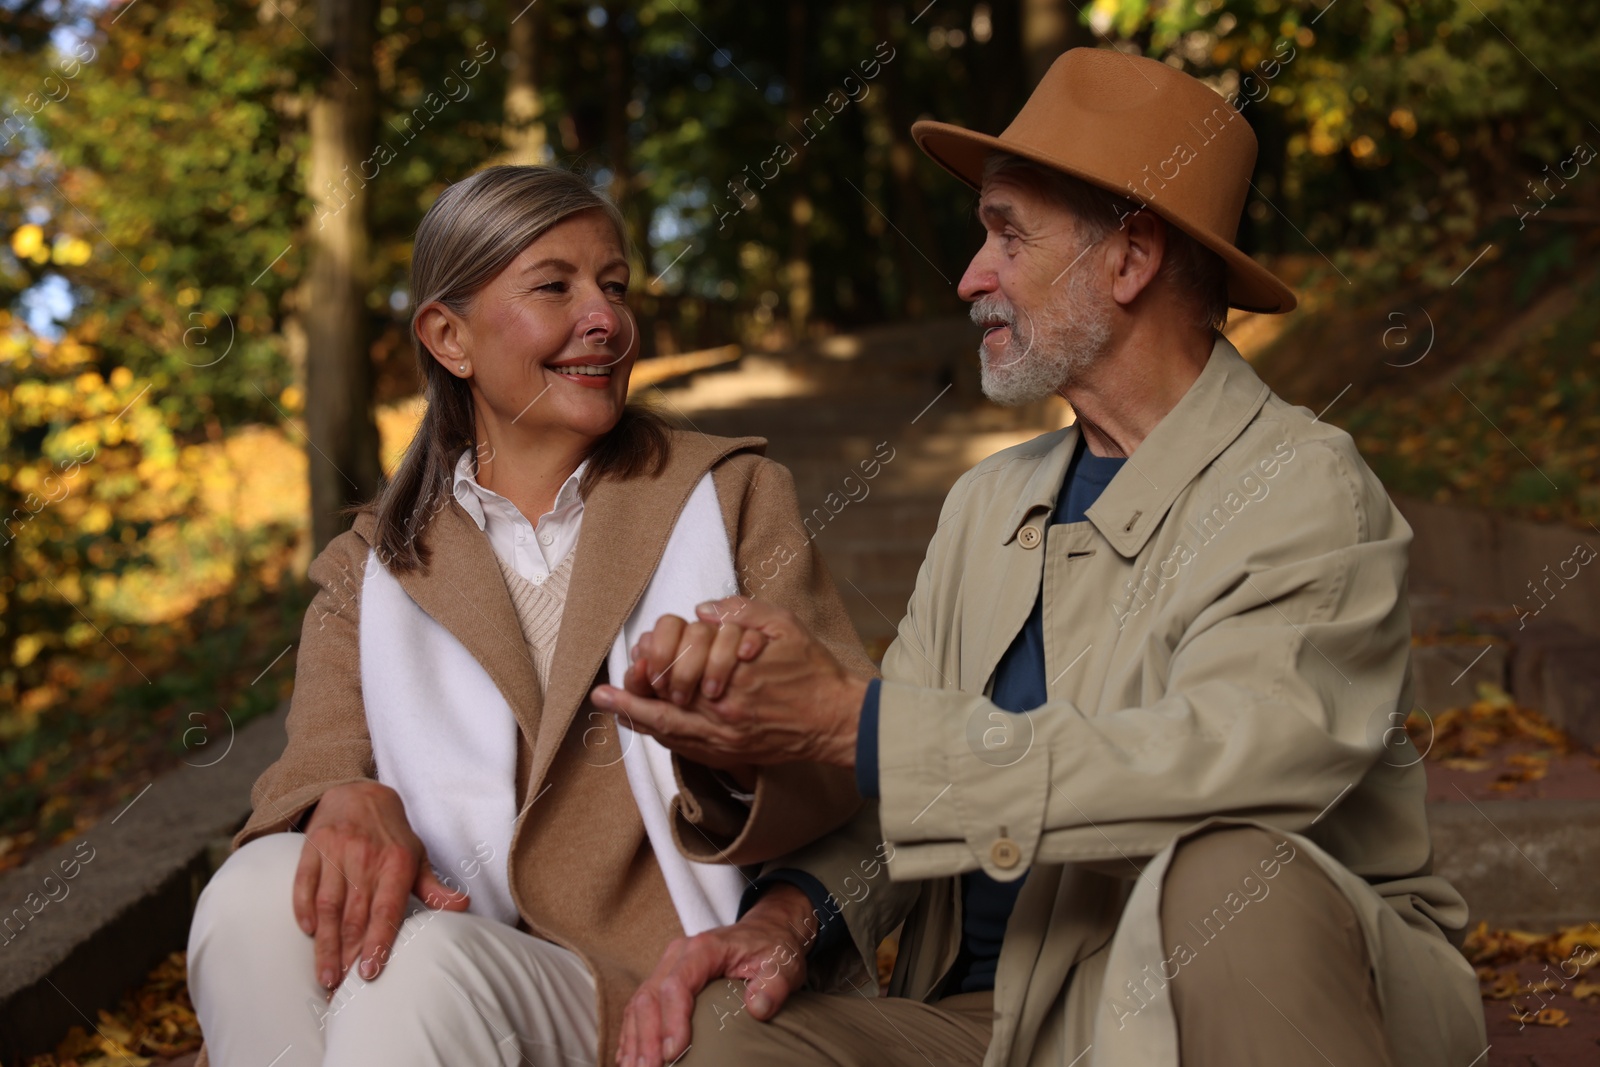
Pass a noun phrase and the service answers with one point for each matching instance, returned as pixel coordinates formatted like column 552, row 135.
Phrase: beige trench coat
column 1226, row 636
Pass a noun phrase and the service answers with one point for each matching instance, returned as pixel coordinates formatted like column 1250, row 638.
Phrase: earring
column 463, row 367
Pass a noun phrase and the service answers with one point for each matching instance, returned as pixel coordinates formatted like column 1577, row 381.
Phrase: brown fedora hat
column 1142, row 129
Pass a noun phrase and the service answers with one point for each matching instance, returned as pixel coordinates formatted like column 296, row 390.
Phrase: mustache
column 990, row 308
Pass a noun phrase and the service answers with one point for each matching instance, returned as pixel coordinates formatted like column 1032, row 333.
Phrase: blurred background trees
column 207, row 211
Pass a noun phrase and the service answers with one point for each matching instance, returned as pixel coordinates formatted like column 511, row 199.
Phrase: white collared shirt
column 532, row 549
column 516, row 540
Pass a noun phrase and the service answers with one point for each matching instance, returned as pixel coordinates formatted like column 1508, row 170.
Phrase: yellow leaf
column 1550, row 1017
column 97, row 519
column 1504, row 987
column 70, row 251
column 113, row 1030
column 27, row 241
column 1465, row 764
column 1494, row 696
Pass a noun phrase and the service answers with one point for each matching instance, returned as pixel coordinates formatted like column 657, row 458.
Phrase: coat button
column 1029, row 537
column 1006, row 853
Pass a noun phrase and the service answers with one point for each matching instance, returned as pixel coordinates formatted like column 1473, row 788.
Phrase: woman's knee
column 257, row 880
column 444, row 976
column 432, row 950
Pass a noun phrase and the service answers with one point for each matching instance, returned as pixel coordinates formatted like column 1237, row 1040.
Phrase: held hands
column 745, row 684
column 360, row 862
column 764, row 949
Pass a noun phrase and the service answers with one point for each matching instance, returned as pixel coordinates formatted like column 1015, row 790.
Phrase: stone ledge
column 1520, row 863
column 1483, row 557
column 104, row 921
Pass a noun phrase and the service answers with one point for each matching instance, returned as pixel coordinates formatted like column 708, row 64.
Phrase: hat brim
column 1251, row 287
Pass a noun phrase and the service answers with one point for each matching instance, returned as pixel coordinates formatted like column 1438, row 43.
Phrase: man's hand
column 360, row 861
column 766, row 948
column 793, row 703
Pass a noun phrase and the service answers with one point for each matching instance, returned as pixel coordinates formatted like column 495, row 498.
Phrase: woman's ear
column 446, row 336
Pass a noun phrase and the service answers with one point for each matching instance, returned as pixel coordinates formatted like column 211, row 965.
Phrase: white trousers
column 457, row 989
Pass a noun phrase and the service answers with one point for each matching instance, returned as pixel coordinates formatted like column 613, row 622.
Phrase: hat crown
column 1143, row 130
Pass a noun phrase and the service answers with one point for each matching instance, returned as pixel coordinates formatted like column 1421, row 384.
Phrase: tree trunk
column 997, row 69
column 343, row 438
column 1049, row 27
column 924, row 288
column 523, row 131
column 635, row 207
column 798, row 270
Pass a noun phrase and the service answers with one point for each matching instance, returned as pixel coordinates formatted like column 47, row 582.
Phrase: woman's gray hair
column 1192, row 268
column 472, row 232
column 483, row 222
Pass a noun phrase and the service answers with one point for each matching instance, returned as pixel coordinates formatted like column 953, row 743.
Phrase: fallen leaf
column 1504, row 987
column 1552, row 1017
column 1545, row 1017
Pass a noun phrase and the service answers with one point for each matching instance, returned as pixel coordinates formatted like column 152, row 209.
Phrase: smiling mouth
column 584, row 369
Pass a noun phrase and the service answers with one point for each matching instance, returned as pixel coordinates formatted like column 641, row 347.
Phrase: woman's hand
column 360, row 862
column 678, row 658
column 793, row 703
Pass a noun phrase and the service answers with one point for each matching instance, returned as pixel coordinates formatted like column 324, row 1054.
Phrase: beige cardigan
column 611, row 906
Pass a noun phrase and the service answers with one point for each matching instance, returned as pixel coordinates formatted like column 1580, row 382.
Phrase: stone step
column 104, row 909
column 1528, row 864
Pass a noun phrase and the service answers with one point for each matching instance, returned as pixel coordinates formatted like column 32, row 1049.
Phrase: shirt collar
column 1215, row 410
column 472, row 495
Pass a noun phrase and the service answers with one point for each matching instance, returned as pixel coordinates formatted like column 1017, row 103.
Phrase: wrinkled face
column 1036, row 291
column 551, row 339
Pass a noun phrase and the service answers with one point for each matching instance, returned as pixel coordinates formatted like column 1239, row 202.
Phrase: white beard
column 1049, row 347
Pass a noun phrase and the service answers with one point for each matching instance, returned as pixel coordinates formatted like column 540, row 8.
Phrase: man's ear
column 444, row 333
column 1141, row 246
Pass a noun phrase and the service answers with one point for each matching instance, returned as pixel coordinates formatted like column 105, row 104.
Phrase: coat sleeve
column 853, row 863
column 776, row 561
column 847, row 862
column 327, row 723
column 1266, row 711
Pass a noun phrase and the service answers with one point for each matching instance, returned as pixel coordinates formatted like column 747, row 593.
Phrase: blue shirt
column 1019, row 686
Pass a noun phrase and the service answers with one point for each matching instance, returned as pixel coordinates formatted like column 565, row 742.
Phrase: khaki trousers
column 1314, row 998
column 457, row 989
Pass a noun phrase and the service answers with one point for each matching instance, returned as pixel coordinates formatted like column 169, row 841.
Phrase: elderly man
column 1142, row 791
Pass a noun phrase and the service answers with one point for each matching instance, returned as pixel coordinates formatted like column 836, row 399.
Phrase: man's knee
column 1249, row 889
column 1252, row 923
column 721, row 1030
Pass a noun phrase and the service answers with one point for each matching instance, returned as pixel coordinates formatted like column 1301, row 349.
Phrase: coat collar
column 1215, row 410
column 626, row 523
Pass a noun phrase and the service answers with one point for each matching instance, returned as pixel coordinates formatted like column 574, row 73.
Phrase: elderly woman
column 458, row 859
